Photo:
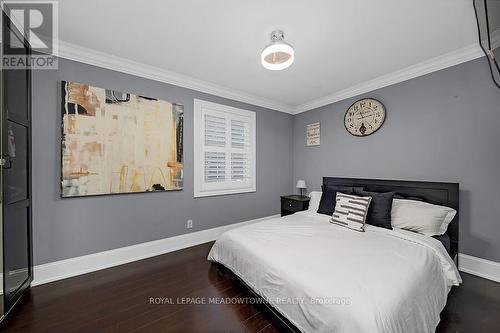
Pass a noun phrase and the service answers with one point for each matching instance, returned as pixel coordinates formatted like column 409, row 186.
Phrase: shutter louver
column 239, row 166
column 215, row 167
column 239, row 155
column 239, row 134
column 215, row 131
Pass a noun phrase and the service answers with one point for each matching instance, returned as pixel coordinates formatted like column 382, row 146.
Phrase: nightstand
column 293, row 203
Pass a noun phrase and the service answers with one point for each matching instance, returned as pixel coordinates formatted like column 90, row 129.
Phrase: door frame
column 9, row 300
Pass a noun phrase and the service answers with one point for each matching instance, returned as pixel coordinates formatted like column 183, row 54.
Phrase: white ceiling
column 338, row 44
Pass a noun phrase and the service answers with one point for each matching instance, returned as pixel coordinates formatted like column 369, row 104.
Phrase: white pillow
column 314, row 202
column 422, row 217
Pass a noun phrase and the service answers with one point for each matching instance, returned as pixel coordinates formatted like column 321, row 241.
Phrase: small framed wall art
column 313, row 134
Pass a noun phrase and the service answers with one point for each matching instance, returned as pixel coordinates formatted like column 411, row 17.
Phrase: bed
column 318, row 277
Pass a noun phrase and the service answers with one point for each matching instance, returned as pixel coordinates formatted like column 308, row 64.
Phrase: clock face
column 364, row 117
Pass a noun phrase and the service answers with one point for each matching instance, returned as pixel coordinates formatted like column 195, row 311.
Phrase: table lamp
column 301, row 184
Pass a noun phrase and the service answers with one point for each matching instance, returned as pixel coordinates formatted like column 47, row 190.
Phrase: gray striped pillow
column 351, row 211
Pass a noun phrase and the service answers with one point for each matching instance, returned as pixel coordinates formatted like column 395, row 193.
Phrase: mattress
column 327, row 278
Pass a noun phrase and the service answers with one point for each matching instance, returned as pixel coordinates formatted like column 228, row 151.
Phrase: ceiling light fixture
column 278, row 54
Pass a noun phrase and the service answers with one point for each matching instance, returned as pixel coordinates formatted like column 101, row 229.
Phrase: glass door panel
column 16, row 182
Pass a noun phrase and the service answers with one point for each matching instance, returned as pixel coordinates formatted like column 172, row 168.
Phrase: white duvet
column 326, row 278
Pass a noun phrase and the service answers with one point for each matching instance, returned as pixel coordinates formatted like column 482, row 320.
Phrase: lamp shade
column 278, row 55
column 301, row 184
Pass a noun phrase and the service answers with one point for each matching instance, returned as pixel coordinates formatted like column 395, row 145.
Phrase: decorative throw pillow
column 327, row 202
column 379, row 213
column 421, row 217
column 351, row 211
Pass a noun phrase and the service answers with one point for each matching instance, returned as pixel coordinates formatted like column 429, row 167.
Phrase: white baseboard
column 93, row 262
column 62, row 269
column 481, row 267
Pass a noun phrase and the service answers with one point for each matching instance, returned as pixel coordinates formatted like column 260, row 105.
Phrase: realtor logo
column 32, row 23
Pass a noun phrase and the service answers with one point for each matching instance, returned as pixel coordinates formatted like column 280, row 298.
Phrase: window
column 224, row 149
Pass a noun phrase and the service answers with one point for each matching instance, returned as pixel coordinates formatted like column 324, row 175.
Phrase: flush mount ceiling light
column 277, row 55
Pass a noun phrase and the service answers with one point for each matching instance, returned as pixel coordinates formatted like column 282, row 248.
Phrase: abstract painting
column 114, row 142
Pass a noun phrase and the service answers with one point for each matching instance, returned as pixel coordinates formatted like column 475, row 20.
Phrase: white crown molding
column 96, row 58
column 480, row 267
column 105, row 60
column 63, row 269
column 435, row 64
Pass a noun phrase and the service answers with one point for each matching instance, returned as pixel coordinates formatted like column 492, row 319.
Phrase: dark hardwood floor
column 119, row 300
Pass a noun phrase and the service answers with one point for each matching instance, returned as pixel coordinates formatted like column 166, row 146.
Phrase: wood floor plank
column 268, row 329
column 256, row 323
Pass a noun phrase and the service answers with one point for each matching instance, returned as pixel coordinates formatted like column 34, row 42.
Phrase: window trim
column 199, row 190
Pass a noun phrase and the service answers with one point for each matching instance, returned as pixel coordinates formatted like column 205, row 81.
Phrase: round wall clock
column 364, row 117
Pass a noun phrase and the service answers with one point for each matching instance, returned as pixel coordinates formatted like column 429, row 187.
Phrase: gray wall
column 65, row 228
column 444, row 126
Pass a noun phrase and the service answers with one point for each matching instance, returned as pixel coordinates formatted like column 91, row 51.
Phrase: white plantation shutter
column 215, row 136
column 239, row 167
column 224, row 149
column 215, row 167
column 240, row 144
column 239, row 133
column 215, row 131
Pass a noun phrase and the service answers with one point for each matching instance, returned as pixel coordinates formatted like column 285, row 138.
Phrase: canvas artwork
column 114, row 142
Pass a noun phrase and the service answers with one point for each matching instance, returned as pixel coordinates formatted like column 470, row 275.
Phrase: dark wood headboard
column 445, row 194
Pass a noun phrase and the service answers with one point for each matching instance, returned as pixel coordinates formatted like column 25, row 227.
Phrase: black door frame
column 9, row 300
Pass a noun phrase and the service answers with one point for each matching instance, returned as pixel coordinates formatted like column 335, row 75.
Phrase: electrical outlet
column 189, row 224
